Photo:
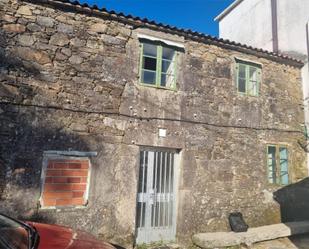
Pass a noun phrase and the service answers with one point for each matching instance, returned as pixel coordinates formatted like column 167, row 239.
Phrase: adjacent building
column 141, row 132
column 278, row 26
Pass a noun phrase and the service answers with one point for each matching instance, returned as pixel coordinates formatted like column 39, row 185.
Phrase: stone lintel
column 72, row 153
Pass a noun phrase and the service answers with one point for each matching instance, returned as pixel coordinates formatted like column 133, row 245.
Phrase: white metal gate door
column 156, row 199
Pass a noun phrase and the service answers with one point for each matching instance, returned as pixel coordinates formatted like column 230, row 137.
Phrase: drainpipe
column 274, row 25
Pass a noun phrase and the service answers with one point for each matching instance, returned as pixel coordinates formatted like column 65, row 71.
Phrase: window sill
column 158, row 87
column 66, row 208
column 277, row 185
column 246, row 95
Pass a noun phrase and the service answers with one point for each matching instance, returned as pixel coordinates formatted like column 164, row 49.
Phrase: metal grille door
column 156, row 219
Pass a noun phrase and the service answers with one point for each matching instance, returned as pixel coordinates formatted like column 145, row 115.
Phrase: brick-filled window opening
column 65, row 183
column 277, row 163
column 248, row 77
column 158, row 65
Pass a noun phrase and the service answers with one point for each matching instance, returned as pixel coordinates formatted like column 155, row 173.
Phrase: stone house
column 137, row 131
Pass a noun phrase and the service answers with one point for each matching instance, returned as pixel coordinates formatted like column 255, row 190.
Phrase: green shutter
column 277, row 164
column 159, row 65
column 236, row 75
column 141, row 62
column 249, row 90
column 158, row 72
column 259, row 80
column 284, row 171
column 175, row 70
column 248, row 83
column 271, row 164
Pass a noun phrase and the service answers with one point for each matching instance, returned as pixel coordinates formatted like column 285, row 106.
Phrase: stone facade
column 70, row 81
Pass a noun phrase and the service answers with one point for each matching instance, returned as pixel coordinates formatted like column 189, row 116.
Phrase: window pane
column 149, row 63
column 168, row 53
column 242, row 71
column 167, row 67
column 253, row 73
column 283, row 152
column 148, row 77
column 150, row 49
column 253, row 88
column 241, row 85
column 271, row 162
column 167, row 80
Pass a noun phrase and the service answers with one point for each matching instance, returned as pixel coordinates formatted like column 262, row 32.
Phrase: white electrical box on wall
column 162, row 132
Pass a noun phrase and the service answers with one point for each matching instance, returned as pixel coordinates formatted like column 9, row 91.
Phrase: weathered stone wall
column 70, row 82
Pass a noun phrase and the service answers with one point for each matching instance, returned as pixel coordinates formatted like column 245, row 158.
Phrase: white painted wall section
column 292, row 19
column 249, row 23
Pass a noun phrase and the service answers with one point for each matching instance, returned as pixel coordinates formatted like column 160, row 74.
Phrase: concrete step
column 167, row 246
column 253, row 235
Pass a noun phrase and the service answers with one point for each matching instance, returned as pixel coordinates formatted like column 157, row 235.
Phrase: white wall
column 249, row 23
column 292, row 18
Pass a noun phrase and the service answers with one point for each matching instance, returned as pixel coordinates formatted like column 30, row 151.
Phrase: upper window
column 158, row 65
column 248, row 78
column 277, row 162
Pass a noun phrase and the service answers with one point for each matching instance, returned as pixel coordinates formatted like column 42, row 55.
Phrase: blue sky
column 197, row 15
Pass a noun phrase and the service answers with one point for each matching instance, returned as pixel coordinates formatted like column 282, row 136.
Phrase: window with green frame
column 158, row 65
column 248, row 78
column 277, row 163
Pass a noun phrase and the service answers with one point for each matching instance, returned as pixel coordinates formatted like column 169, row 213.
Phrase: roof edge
column 227, row 10
column 187, row 33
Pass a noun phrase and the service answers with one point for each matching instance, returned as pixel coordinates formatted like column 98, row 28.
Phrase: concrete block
column 253, row 235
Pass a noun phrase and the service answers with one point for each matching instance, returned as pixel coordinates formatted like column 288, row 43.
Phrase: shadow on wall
column 25, row 133
column 2, row 176
column 294, row 201
column 27, row 130
column 118, row 247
